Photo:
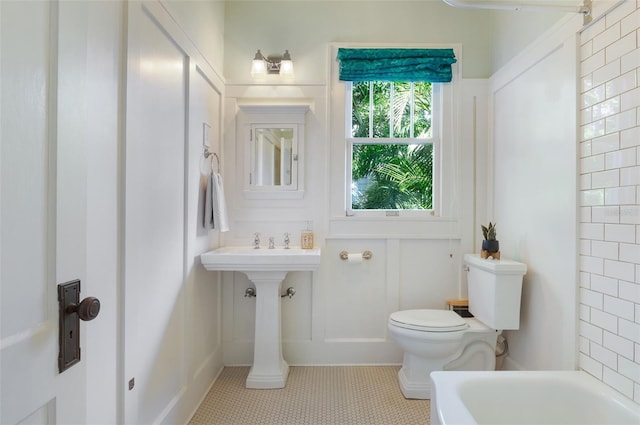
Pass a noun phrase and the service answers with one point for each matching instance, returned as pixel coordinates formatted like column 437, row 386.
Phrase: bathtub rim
column 445, row 386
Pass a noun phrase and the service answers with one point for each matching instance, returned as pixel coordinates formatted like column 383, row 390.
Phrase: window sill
column 424, row 227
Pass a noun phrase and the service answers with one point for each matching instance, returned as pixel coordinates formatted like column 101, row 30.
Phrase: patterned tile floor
column 314, row 395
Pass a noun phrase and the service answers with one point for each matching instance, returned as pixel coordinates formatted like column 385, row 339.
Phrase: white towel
column 208, row 203
column 220, row 219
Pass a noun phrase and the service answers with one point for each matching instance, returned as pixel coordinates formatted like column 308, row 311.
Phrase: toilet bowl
column 443, row 340
column 439, row 340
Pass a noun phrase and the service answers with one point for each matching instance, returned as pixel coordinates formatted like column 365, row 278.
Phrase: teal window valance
column 411, row 65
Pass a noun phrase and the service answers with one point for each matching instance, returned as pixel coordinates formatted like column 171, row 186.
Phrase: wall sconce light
column 282, row 65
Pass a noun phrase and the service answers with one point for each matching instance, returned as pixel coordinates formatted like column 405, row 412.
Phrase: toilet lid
column 429, row 320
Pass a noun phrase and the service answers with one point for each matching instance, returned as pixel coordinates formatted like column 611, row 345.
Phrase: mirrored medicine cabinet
column 273, row 142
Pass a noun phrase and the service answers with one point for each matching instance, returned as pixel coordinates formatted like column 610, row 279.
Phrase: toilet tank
column 495, row 289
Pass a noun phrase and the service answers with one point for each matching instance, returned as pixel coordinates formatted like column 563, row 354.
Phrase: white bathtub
column 510, row 397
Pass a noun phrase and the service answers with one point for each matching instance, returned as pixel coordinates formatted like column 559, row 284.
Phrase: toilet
column 443, row 340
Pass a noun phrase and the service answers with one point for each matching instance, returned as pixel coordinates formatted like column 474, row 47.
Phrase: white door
column 43, row 206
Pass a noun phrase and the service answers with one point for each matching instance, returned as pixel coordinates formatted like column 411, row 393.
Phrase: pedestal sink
column 266, row 268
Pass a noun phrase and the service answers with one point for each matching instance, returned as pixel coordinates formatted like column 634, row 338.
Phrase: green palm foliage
column 397, row 175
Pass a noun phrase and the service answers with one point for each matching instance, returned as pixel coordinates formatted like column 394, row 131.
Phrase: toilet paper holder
column 366, row 255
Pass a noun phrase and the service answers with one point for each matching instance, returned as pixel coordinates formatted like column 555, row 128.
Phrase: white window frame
column 440, row 222
column 435, row 140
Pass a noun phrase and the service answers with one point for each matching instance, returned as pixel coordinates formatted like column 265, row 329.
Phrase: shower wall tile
column 592, row 63
column 630, row 214
column 630, row 291
column 630, row 99
column 620, row 159
column 619, row 233
column 591, row 332
column 604, row 356
column 630, row 61
column 630, row 330
column 609, row 178
column 605, row 285
column 608, row 214
column 630, row 137
column 630, row 253
column 622, row 121
column 608, row 143
column 592, row 163
column 621, row 47
column 609, row 150
column 604, row 249
column 592, row 231
column 606, row 73
column 604, row 320
column 591, row 365
column 618, row 381
column 593, row 95
column 629, row 23
column 623, row 83
column 630, row 176
column 620, row 345
column 591, row 298
column 620, row 308
column 606, row 108
column 606, row 38
column 620, row 195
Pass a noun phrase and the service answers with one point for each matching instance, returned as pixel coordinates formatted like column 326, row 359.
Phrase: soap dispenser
column 306, row 237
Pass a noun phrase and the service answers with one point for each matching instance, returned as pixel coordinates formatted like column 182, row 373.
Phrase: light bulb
column 258, row 66
column 286, row 65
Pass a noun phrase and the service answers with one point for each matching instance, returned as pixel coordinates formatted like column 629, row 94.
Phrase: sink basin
column 266, row 268
column 238, row 258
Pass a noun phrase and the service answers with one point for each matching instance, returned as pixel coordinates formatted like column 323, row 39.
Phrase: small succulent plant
column 489, row 232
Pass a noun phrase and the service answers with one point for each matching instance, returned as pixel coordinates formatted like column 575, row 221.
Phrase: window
column 391, row 145
column 394, row 166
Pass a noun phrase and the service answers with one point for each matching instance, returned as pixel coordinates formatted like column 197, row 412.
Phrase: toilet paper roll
column 354, row 258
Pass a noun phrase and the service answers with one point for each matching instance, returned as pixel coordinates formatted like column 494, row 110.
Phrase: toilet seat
column 427, row 320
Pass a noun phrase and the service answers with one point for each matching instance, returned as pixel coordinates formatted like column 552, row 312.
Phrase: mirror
column 274, row 156
column 272, row 148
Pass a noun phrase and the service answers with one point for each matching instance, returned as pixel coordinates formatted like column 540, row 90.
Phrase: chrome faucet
column 286, row 241
column 272, row 242
column 256, row 240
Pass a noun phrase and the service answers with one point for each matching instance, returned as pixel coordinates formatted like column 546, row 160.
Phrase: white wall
column 609, row 198
column 515, row 30
column 172, row 342
column 305, row 28
column 339, row 314
column 599, row 175
column 192, row 319
column 533, row 180
column 312, row 321
column 203, row 23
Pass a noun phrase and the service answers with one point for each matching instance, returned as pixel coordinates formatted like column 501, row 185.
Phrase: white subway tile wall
column 609, row 309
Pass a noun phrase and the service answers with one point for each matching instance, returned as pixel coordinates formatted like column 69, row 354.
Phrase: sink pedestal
column 269, row 369
column 266, row 268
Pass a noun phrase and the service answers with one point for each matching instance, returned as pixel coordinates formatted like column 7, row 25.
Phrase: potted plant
column 490, row 245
